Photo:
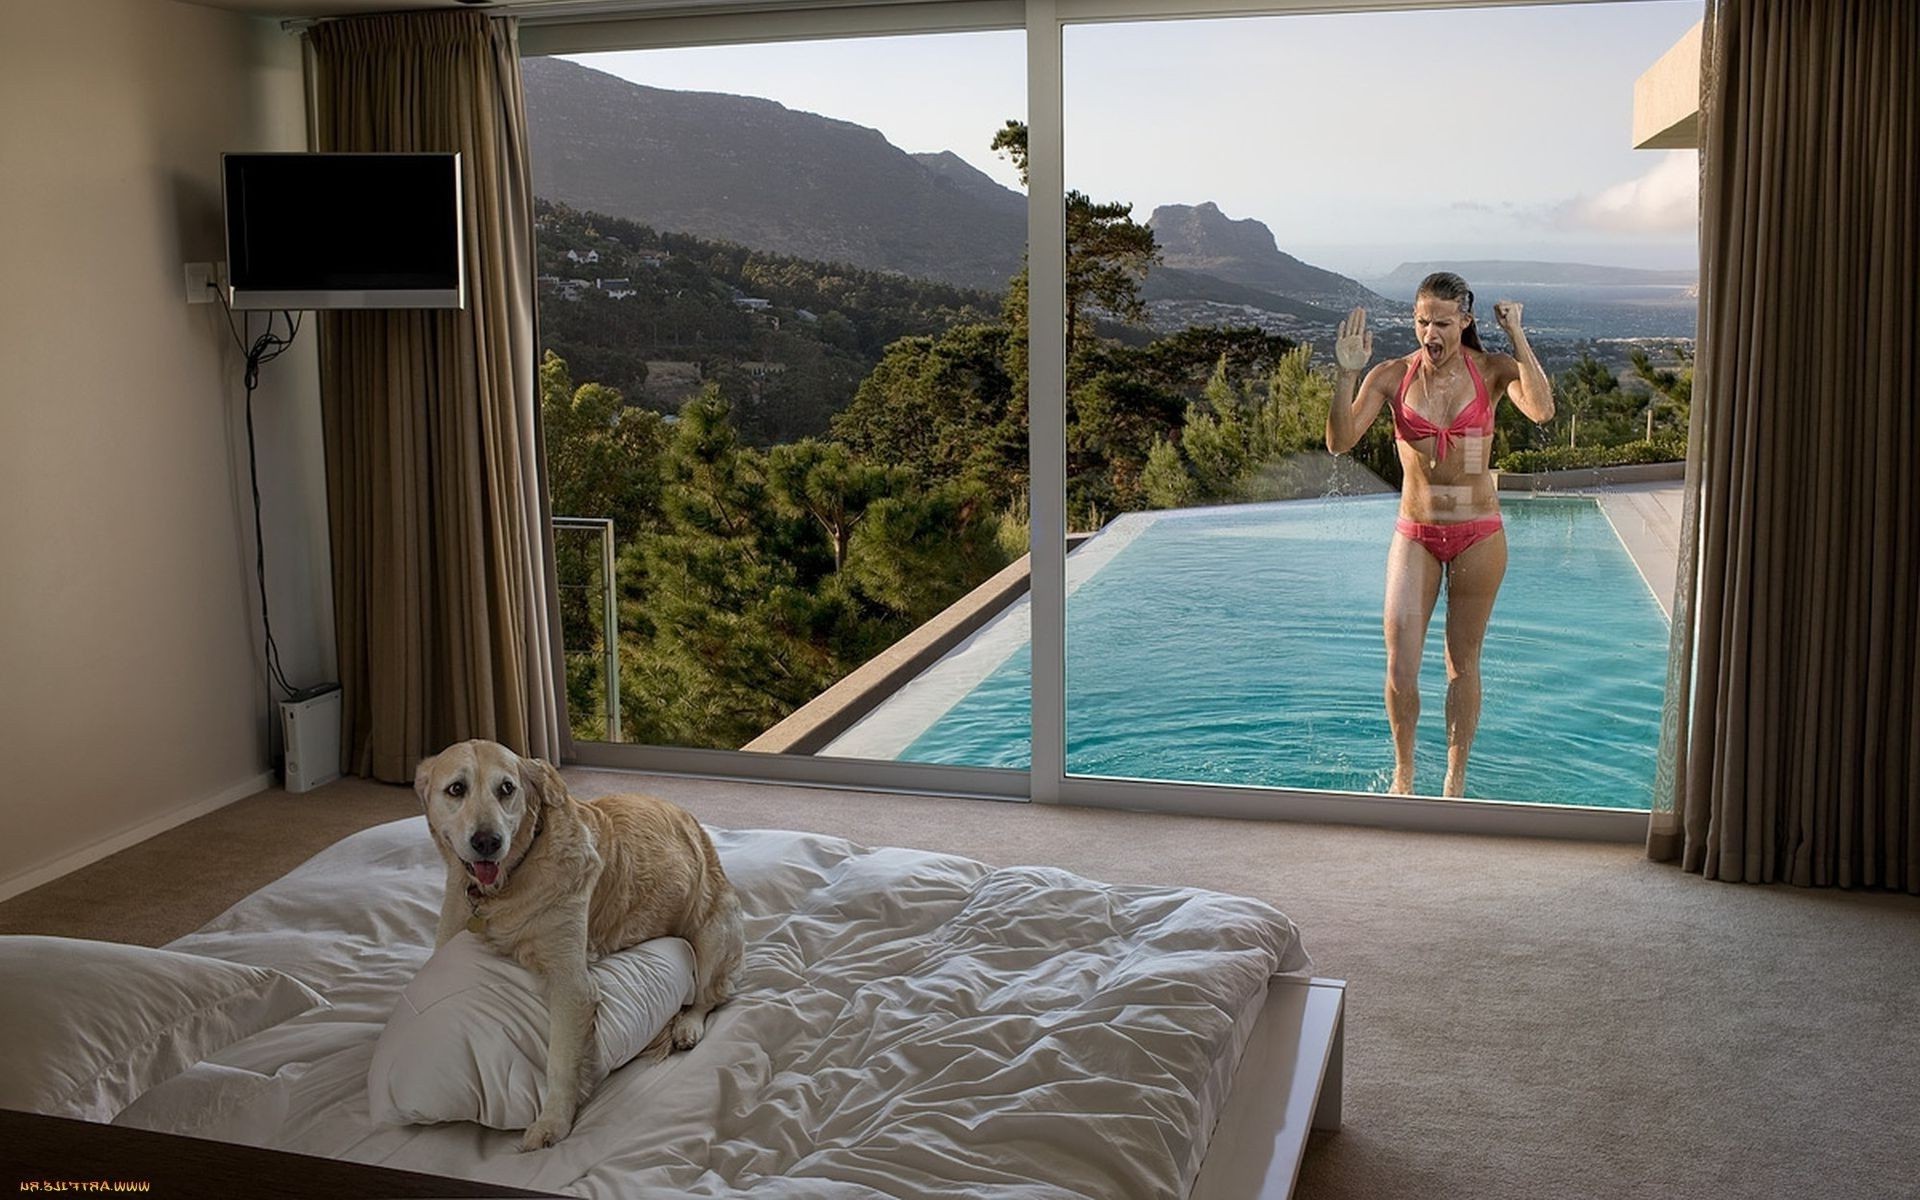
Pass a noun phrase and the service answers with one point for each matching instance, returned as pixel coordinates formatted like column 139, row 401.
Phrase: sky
column 1362, row 140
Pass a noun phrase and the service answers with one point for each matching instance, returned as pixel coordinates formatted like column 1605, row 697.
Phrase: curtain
column 1791, row 746
column 442, row 548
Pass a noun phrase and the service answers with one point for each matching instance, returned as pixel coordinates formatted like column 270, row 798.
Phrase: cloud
column 1503, row 208
column 1666, row 199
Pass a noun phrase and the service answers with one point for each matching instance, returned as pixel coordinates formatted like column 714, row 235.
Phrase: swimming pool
column 1242, row 645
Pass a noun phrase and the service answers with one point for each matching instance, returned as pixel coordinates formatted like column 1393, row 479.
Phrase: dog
column 554, row 883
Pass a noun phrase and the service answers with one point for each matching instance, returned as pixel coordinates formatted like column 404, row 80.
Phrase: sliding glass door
column 1459, row 602
column 780, row 293
column 808, row 420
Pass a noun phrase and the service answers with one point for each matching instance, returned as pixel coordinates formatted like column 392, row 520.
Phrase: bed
column 909, row 1025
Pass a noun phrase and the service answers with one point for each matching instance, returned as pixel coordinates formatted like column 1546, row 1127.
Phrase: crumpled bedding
column 909, row 1025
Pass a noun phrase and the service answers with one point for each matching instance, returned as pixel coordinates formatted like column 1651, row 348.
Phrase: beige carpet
column 1527, row 1019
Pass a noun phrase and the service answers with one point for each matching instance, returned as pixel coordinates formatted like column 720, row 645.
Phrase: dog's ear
column 423, row 779
column 544, row 781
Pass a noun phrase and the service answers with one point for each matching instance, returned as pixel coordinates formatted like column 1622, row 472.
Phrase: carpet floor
column 1526, row 1018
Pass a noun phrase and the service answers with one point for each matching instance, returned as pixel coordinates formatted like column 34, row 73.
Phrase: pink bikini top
column 1476, row 417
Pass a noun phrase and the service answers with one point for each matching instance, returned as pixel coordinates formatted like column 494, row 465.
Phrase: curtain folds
column 1791, row 741
column 443, row 555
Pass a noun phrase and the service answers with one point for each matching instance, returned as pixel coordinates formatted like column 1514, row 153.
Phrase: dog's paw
column 687, row 1029
column 544, row 1132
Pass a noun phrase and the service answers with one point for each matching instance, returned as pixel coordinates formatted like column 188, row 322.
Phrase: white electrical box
column 310, row 731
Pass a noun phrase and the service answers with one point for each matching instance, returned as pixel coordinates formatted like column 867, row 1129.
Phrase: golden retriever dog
column 554, row 883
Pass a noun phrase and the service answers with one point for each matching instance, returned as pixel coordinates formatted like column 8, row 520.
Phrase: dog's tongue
column 486, row 872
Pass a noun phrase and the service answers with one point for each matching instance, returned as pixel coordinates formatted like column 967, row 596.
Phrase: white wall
column 131, row 694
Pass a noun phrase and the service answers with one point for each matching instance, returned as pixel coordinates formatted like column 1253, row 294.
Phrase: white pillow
column 89, row 1026
column 209, row 1100
column 468, row 1039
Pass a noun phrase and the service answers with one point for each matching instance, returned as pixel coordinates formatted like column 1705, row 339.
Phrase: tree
column 1108, row 253
column 1669, row 389
column 824, row 481
column 1292, row 418
column 1589, row 391
column 1243, row 438
column 720, row 604
column 770, row 576
column 918, row 552
column 602, row 453
column 1113, row 421
column 1165, row 481
column 946, row 409
column 1216, row 448
column 603, row 460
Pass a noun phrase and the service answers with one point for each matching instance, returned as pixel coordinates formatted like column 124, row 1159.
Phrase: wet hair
column 1445, row 285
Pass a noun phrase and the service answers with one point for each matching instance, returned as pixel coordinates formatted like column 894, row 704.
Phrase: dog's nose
column 486, row 843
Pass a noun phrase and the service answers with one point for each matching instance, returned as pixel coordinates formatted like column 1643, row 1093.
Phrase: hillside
column 658, row 315
column 1201, row 239
column 751, row 171
column 976, row 183
column 1165, row 283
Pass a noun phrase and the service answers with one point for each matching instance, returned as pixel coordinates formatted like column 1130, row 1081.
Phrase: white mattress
column 909, row 1025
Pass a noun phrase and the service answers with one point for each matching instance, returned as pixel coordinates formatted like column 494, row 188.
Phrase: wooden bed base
column 1287, row 1084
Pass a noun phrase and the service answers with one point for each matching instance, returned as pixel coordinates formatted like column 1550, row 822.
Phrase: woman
column 1442, row 397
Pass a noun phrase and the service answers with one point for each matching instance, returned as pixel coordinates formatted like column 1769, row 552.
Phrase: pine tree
column 1165, row 481
column 825, row 482
column 1108, row 254
column 725, row 625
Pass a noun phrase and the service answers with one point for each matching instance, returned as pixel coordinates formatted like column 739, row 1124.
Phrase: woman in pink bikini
column 1442, row 397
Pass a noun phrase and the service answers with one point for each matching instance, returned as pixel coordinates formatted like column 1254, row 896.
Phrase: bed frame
column 1288, row 1084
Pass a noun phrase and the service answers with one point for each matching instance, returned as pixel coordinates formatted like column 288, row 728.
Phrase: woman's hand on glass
column 1353, row 347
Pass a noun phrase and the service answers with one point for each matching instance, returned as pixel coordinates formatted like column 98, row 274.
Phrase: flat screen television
column 321, row 230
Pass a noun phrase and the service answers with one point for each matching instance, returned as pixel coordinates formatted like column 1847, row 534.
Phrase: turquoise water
column 1242, row 645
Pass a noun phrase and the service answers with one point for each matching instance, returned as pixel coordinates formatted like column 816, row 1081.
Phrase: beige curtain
column 442, row 551
column 1791, row 750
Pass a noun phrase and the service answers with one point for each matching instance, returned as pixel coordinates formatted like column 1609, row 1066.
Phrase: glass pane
column 1242, row 606
column 782, row 380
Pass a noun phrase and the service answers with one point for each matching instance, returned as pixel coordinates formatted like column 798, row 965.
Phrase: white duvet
column 909, row 1025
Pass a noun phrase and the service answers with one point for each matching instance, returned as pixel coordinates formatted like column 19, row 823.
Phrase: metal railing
column 609, row 611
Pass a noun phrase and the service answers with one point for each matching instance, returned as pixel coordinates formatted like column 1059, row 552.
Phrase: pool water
column 1243, row 645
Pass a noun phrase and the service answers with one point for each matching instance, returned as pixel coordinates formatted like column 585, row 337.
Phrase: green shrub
column 1568, row 458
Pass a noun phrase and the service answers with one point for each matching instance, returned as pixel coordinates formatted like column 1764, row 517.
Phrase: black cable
column 264, row 349
column 260, row 552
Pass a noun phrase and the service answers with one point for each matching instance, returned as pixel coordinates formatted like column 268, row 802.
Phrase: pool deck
column 1647, row 518
column 1641, row 502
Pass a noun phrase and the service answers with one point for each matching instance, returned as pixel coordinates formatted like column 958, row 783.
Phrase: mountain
column 1202, row 239
column 1403, row 279
column 752, row 171
column 976, row 183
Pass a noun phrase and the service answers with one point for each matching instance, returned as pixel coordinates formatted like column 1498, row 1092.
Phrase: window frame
column 593, row 26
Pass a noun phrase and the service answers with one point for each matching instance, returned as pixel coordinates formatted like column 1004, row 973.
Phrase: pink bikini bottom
column 1448, row 542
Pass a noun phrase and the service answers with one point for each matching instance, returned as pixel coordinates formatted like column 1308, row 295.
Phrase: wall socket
column 202, row 280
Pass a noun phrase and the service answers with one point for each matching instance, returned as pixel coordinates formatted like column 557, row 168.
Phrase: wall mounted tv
column 311, row 230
